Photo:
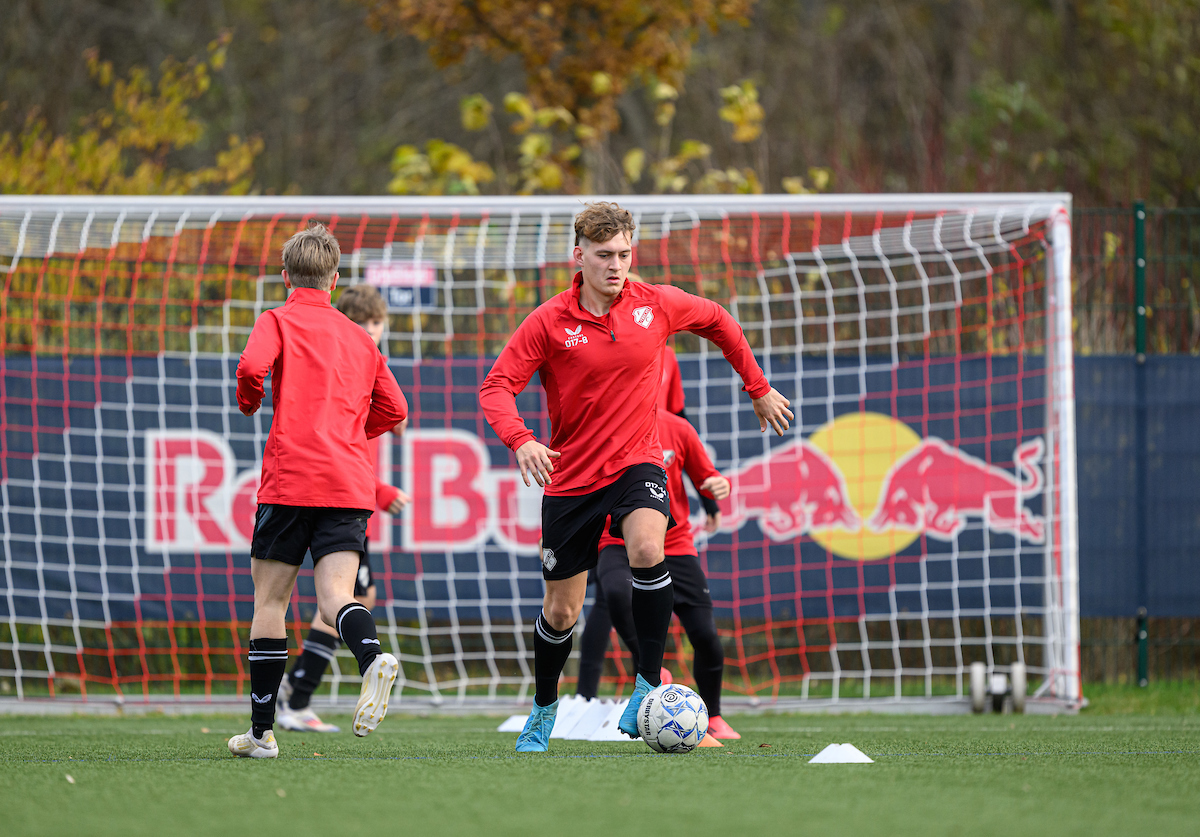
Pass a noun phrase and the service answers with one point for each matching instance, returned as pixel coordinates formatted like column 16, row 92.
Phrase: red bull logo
column 865, row 486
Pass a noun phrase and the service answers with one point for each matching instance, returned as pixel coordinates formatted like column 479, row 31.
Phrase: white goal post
column 920, row 517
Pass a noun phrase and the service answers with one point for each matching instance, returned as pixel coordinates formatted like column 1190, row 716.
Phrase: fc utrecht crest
column 643, row 316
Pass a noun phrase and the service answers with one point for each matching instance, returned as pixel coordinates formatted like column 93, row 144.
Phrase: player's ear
column 578, row 255
column 287, row 282
column 336, row 276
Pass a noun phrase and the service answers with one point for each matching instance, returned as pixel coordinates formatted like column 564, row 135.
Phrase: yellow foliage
column 743, row 111
column 442, row 169
column 476, row 112
column 123, row 149
column 634, row 163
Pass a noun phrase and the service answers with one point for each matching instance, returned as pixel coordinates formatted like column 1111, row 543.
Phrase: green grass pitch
column 1089, row 775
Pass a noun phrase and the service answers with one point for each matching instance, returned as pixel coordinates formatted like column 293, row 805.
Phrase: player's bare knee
column 561, row 615
column 645, row 554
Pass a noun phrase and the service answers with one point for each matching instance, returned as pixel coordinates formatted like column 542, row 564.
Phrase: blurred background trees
column 1098, row 97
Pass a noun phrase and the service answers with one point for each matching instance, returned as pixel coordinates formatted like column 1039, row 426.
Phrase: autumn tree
column 581, row 55
column 126, row 147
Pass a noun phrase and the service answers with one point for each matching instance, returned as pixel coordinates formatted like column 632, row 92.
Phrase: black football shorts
column 571, row 526
column 286, row 533
column 365, row 577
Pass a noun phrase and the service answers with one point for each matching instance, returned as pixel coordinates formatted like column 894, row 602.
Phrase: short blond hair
column 601, row 220
column 362, row 303
column 311, row 258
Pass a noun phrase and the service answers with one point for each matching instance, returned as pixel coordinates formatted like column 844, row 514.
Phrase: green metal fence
column 1135, row 275
column 1135, row 280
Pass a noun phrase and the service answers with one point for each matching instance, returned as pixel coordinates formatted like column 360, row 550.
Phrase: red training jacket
column 331, row 391
column 682, row 451
column 670, row 394
column 602, row 376
column 384, row 494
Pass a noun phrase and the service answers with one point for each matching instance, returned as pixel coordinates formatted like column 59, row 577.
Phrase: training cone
column 709, row 741
column 841, row 754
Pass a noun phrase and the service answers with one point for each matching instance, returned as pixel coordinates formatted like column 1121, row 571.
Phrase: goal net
column 919, row 517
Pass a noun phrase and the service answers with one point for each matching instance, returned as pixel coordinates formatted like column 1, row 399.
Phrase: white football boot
column 376, row 690
column 248, row 747
column 302, row 720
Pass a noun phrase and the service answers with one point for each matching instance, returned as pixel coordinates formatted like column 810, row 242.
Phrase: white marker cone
column 841, row 754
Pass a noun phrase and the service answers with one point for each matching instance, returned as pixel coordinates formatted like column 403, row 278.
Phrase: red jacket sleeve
column 388, row 407
column 259, row 356
column 670, row 396
column 385, row 495
column 696, row 462
column 509, row 375
column 707, row 319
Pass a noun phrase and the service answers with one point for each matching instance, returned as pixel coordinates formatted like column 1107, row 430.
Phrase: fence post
column 1140, row 419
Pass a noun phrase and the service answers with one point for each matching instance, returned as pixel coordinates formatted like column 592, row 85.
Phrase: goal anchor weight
column 1000, row 688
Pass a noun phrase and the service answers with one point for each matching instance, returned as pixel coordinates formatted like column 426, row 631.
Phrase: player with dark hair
column 366, row 309
column 683, row 452
column 597, row 348
column 331, row 391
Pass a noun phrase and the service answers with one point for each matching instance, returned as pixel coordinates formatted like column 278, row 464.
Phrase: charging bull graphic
column 794, row 489
column 935, row 486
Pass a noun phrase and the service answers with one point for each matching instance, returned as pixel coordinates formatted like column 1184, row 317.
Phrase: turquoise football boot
column 535, row 738
column 628, row 724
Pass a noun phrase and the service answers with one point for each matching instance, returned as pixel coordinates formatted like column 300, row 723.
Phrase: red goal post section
column 920, row 517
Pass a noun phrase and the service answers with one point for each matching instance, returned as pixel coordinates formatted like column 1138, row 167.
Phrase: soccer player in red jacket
column 597, row 348
column 682, row 452
column 366, row 309
column 331, row 392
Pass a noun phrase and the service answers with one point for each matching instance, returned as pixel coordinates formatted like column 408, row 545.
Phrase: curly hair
column 601, row 220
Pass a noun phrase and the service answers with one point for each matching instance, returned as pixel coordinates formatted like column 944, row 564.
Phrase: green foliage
column 125, row 148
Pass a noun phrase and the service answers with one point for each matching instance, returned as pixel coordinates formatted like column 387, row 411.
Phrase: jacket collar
column 581, row 312
column 308, row 296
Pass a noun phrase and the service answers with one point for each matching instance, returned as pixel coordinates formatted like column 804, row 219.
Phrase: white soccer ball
column 672, row 719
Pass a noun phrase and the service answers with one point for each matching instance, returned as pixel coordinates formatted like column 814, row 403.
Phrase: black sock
column 593, row 649
column 306, row 674
column 550, row 651
column 268, row 661
column 653, row 598
column 708, row 665
column 356, row 627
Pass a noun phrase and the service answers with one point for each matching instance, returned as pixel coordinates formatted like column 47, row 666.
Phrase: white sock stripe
column 543, row 631
column 349, row 609
column 654, row 584
column 319, row 649
column 267, row 656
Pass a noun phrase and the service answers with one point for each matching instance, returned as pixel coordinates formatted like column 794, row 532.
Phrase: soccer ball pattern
column 672, row 719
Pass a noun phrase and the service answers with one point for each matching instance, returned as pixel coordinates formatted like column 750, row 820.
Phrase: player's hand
column 399, row 503
column 717, row 486
column 536, row 460
column 712, row 522
column 772, row 409
column 250, row 411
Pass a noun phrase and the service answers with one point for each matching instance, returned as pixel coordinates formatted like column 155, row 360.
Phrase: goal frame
column 1061, row 689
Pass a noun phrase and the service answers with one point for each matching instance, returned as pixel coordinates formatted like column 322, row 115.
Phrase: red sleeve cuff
column 385, row 495
column 759, row 390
